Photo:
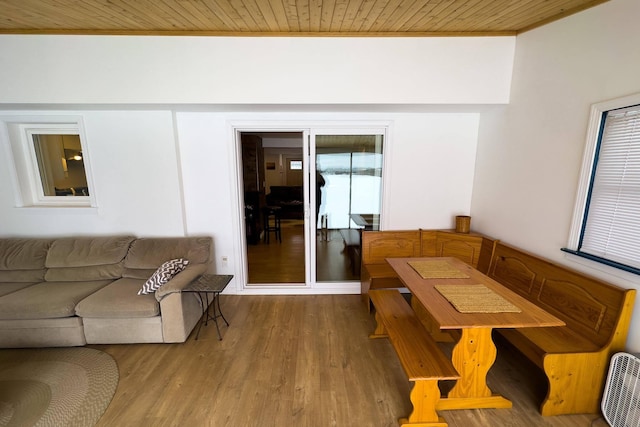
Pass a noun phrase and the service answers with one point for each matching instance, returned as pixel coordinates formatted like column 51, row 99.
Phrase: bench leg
column 381, row 331
column 575, row 383
column 424, row 397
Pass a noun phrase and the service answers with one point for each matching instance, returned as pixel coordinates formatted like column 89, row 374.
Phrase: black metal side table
column 203, row 286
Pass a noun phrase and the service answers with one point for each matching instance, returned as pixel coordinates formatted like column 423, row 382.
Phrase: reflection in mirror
column 60, row 164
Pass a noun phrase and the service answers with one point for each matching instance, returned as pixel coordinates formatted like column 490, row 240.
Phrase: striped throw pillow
column 163, row 274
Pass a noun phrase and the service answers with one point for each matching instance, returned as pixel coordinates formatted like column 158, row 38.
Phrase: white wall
column 429, row 174
column 132, row 157
column 530, row 152
column 172, row 171
column 159, row 174
column 432, row 168
column 249, row 70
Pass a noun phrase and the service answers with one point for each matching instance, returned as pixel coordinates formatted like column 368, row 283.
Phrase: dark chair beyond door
column 271, row 216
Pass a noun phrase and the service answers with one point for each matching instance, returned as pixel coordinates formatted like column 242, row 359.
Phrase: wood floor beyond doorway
column 283, row 262
column 303, row 361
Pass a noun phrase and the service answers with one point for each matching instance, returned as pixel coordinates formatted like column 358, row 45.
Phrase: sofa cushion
column 88, row 273
column 47, row 300
column 119, row 300
column 7, row 288
column 162, row 275
column 84, row 251
column 23, row 260
column 25, row 276
column 86, row 258
column 147, row 254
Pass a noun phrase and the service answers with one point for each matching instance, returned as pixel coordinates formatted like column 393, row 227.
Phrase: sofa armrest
column 181, row 280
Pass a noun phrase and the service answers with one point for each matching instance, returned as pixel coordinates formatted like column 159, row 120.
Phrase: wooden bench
column 575, row 358
column 376, row 273
column 420, row 356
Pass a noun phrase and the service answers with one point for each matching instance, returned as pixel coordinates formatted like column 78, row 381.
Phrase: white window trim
column 27, row 183
column 593, row 130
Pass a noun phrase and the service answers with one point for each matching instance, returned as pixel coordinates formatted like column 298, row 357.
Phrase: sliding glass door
column 346, row 192
column 325, row 186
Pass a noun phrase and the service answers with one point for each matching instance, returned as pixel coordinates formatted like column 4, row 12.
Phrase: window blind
column 611, row 227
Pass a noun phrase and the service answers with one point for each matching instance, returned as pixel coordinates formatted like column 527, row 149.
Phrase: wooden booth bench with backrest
column 575, row 357
column 375, row 273
column 421, row 358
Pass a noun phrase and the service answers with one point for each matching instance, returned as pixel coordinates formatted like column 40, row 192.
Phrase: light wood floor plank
column 283, row 262
column 298, row 361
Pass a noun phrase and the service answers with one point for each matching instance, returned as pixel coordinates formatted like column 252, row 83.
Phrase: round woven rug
column 55, row 386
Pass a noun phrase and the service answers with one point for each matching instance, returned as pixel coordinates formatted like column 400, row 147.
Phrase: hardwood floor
column 297, row 361
column 278, row 262
column 283, row 262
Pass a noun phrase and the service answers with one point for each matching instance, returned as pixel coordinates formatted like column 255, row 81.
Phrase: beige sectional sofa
column 84, row 290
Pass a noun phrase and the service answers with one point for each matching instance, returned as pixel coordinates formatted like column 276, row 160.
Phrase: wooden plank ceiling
column 283, row 17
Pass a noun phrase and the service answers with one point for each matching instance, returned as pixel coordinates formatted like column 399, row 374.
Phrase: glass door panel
column 348, row 183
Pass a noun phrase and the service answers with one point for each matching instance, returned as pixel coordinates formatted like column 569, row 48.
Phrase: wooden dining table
column 429, row 279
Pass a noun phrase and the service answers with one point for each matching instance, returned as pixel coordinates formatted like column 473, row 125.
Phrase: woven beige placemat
column 437, row 269
column 476, row 299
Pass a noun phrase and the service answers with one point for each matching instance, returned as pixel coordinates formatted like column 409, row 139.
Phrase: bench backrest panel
column 486, row 254
column 464, row 247
column 378, row 245
column 473, row 249
column 470, row 248
column 595, row 309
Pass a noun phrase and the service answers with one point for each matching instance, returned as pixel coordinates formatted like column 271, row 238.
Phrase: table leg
column 216, row 306
column 205, row 309
column 217, row 296
column 206, row 315
column 473, row 356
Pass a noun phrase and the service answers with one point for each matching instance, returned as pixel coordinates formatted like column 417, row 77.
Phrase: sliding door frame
column 306, row 128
